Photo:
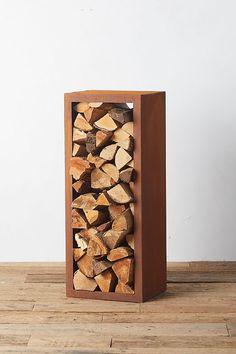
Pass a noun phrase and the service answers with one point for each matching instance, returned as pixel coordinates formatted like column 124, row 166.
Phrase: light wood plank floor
column 197, row 314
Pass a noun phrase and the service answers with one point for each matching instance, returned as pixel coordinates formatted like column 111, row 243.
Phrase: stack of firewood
column 102, row 169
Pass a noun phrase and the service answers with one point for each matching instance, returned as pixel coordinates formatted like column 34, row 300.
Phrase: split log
column 96, row 246
column 119, row 135
column 124, row 222
column 82, row 124
column 121, row 194
column 131, row 206
column 79, row 136
column 95, row 160
column 85, row 201
column 78, row 253
column 104, row 227
column 95, row 104
column 106, row 281
column 79, row 167
column 124, row 270
column 131, row 186
column 111, row 170
column 100, row 180
column 121, row 115
column 129, row 128
column 130, row 240
column 81, row 282
column 124, row 289
column 95, row 217
column 88, row 234
column 131, row 164
column 113, row 238
column 81, row 186
column 119, row 253
column 108, row 152
column 102, row 138
column 103, row 200
column 78, row 220
column 83, row 244
column 93, row 114
column 79, row 150
column 106, row 123
column 115, row 210
column 127, row 144
column 126, row 174
column 81, row 107
column 101, row 266
column 122, row 158
column 91, row 142
column 85, row 265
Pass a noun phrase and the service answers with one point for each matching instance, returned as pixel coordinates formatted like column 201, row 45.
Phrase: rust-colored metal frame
column 149, row 192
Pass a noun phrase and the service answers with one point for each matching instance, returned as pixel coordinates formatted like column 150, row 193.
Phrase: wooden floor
column 197, row 314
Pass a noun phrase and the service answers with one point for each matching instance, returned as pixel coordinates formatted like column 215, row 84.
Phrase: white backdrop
column 184, row 47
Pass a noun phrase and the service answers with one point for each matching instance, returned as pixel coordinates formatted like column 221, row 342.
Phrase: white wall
column 184, row 47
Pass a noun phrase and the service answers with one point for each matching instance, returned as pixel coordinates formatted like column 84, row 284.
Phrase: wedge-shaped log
column 82, row 243
column 131, row 164
column 88, row 233
column 85, row 265
column 131, row 186
column 121, row 194
column 95, row 160
column 81, row 186
column 82, row 124
column 93, row 114
column 101, row 266
column 79, row 150
column 95, row 217
column 124, row 222
column 124, row 288
column 106, row 281
column 115, row 210
column 100, row 180
column 104, row 227
column 119, row 253
column 126, row 175
column 103, row 200
column 81, row 282
column 79, row 167
column 127, row 144
column 131, row 206
column 113, row 238
column 121, row 115
column 79, row 136
column 111, row 170
column 108, row 153
column 78, row 253
column 81, row 107
column 78, row 220
column 96, row 246
column 129, row 128
column 102, row 138
column 124, row 270
column 119, row 135
column 122, row 158
column 85, row 201
column 130, row 240
column 106, row 123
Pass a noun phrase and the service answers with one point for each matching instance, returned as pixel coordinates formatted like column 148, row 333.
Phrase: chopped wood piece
column 81, row 107
column 129, row 128
column 113, row 238
column 81, row 282
column 102, row 105
column 111, row 170
column 78, row 220
column 92, row 114
column 119, row 253
column 96, row 160
column 124, row 222
column 120, row 193
column 100, row 180
column 127, row 174
column 83, row 244
column 124, row 270
column 95, row 217
column 100, row 266
column 82, row 124
column 106, row 281
column 124, row 288
column 103, row 200
column 78, row 253
column 131, row 186
column 115, row 210
column 88, row 234
column 122, row 158
column 108, row 152
column 102, row 138
column 131, row 164
column 79, row 136
column 85, row 265
column 106, row 123
column 95, row 104
column 119, row 135
column 91, row 142
column 85, row 201
column 104, row 227
column 127, row 144
column 121, row 115
column 130, row 240
column 79, row 150
column 81, row 186
column 79, row 167
column 131, row 205
column 96, row 246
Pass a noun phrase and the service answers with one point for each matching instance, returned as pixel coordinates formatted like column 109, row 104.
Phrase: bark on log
column 121, row 194
column 124, row 270
column 81, row 282
column 100, row 180
column 121, row 115
column 126, row 175
column 81, row 186
column 106, row 281
column 119, row 253
column 91, row 142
